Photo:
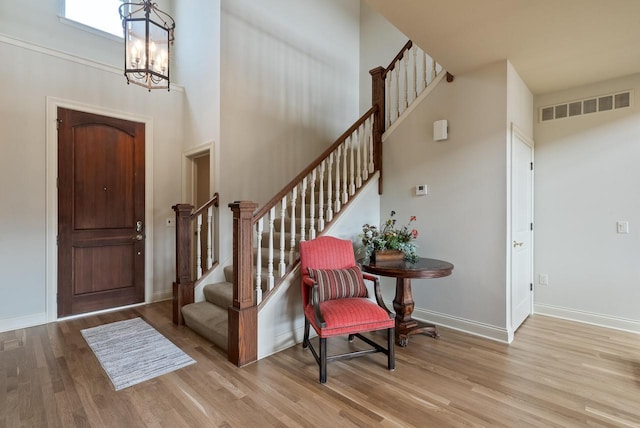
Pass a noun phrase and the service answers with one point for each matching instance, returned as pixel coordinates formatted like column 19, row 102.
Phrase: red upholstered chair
column 335, row 300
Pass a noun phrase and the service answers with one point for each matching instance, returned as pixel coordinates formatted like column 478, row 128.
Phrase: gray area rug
column 132, row 351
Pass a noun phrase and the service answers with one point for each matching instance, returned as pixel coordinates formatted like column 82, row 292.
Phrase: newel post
column 243, row 315
column 183, row 286
column 378, row 99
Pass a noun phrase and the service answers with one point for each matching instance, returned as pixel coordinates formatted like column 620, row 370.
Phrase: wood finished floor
column 555, row 374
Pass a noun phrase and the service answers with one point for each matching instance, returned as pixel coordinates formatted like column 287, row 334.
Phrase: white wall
column 28, row 75
column 289, row 88
column 380, row 42
column 463, row 217
column 197, row 53
column 586, row 179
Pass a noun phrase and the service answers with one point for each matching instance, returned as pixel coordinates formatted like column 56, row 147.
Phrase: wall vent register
column 597, row 104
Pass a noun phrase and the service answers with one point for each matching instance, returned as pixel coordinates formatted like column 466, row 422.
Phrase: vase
column 387, row 256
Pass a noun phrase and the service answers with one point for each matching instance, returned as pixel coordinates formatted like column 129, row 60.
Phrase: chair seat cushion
column 349, row 316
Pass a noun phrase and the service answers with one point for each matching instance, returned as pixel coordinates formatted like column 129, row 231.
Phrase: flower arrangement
column 388, row 237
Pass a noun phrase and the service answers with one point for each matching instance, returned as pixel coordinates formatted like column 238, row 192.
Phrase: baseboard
column 461, row 324
column 284, row 341
column 600, row 320
column 160, row 296
column 23, row 322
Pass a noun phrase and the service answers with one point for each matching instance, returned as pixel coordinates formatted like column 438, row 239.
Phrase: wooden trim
column 183, row 286
column 243, row 336
column 378, row 100
column 243, row 315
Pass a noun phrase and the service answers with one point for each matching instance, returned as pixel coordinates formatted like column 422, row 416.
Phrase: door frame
column 51, row 194
column 515, row 131
column 188, row 170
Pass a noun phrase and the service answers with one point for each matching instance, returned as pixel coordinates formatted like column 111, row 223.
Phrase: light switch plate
column 623, row 226
column 421, row 189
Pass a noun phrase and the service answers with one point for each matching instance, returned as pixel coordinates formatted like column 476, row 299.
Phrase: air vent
column 586, row 106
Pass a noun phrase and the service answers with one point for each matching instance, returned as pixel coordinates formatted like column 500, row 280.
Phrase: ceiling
column 552, row 44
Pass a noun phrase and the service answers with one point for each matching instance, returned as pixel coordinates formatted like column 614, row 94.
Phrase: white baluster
column 358, row 149
column 371, row 164
column 292, row 247
column 405, row 60
column 337, row 184
column 272, row 217
column 210, row 237
column 321, row 198
column 312, row 210
column 345, row 176
column 329, row 189
column 415, row 71
column 397, row 70
column 365, row 146
column 424, row 70
column 282, row 268
column 433, row 70
column 353, row 138
column 198, row 246
column 387, row 100
column 260, row 229
column 303, row 209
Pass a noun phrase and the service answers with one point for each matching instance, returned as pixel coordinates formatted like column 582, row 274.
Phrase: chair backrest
column 324, row 252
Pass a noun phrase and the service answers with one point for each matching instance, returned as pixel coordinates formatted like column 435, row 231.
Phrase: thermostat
column 421, row 189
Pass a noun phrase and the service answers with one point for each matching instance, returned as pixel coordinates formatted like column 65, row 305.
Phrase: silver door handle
column 138, row 237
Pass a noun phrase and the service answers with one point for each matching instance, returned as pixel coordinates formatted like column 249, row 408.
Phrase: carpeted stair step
column 228, row 270
column 220, row 294
column 277, row 226
column 276, row 240
column 228, row 273
column 264, row 257
column 209, row 321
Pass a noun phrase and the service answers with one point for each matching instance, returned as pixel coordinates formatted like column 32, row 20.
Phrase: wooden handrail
column 298, row 178
column 398, row 57
column 213, row 201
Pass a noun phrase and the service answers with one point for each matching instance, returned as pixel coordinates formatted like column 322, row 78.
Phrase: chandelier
column 148, row 33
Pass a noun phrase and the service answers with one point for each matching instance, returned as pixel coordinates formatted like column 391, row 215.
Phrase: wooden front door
column 100, row 212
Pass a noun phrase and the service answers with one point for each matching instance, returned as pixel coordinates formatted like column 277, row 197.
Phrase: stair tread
column 220, row 294
column 209, row 321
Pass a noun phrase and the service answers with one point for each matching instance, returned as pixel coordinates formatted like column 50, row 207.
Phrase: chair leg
column 391, row 357
column 305, row 340
column 323, row 360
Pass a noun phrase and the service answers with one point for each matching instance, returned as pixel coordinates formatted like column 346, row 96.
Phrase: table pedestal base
column 404, row 330
column 403, row 305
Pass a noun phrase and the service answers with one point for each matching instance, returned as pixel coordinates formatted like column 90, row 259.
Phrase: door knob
column 517, row 244
column 138, row 237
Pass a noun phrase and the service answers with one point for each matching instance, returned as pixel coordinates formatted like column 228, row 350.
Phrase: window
column 100, row 14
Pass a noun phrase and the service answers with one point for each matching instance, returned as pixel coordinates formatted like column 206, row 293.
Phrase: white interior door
column 521, row 228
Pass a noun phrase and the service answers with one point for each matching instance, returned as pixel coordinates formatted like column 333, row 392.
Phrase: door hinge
column 58, row 122
column 531, row 166
column 531, row 286
column 530, row 226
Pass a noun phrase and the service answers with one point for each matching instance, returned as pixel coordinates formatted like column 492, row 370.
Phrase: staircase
column 265, row 240
column 209, row 318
